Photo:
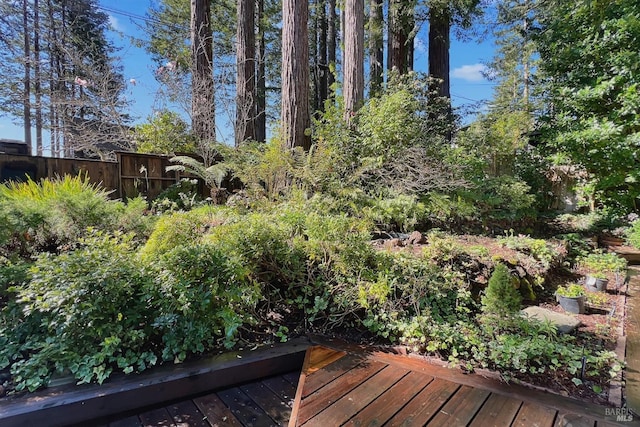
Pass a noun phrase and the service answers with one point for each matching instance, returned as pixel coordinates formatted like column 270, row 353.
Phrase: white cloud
column 472, row 73
column 114, row 23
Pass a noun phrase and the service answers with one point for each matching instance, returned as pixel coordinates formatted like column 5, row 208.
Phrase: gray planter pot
column 573, row 304
column 595, row 284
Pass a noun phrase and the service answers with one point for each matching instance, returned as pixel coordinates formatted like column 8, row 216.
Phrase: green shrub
column 633, row 234
column 180, row 228
column 182, row 195
column 200, row 297
column 52, row 213
column 80, row 311
column 599, row 264
column 401, row 213
column 501, row 298
column 133, row 217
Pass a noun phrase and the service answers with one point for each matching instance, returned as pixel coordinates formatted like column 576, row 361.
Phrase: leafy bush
column 402, row 212
column 180, row 228
column 80, row 311
column 182, row 195
column 200, row 295
column 633, row 234
column 599, row 264
column 52, row 213
column 501, row 298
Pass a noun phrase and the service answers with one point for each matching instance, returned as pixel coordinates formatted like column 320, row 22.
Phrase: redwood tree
column 295, row 74
column 246, row 72
column 353, row 85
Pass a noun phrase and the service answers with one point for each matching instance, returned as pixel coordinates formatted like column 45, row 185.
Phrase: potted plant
column 598, row 266
column 572, row 298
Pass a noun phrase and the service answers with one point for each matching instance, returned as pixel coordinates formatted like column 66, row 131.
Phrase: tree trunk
column 439, row 25
column 398, row 36
column 261, row 81
column 353, row 85
column 376, row 48
column 202, row 102
column 323, row 68
column 332, row 37
column 26, row 92
column 37, row 75
column 295, row 74
column 246, row 69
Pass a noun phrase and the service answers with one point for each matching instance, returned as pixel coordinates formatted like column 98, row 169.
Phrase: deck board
column 461, row 408
column 391, row 400
column 425, row 404
column 318, row 379
column 497, row 411
column 331, row 392
column 216, row 412
column 283, row 388
column 244, row 408
column 157, row 417
column 272, row 404
column 186, row 414
column 358, row 398
column 132, row 421
column 531, row 415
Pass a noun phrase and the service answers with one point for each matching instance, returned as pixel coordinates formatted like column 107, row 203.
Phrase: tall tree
column 261, row 75
column 37, row 75
column 246, row 73
column 295, row 74
column 400, row 18
column 353, row 84
column 376, row 47
column 202, row 96
column 442, row 15
column 332, row 41
column 26, row 93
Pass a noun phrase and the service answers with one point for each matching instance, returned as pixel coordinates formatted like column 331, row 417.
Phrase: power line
column 130, row 15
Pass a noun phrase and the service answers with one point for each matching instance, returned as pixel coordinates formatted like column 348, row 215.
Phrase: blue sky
column 467, row 83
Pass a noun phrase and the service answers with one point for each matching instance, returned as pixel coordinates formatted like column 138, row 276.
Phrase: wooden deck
column 369, row 388
column 336, row 385
column 267, row 402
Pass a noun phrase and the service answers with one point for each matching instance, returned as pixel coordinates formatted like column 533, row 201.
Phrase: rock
column 393, row 243
column 416, row 238
column 2, row 391
column 565, row 324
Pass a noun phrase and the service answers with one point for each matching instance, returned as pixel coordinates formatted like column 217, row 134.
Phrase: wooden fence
column 130, row 175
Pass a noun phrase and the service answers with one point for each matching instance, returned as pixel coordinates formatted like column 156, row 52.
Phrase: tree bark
column 439, row 26
column 37, row 75
column 323, row 67
column 332, row 37
column 295, row 74
column 398, row 36
column 202, row 102
column 26, row 92
column 353, row 85
column 376, row 48
column 261, row 80
column 246, row 72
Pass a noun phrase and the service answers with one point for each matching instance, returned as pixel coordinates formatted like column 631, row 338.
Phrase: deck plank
column 532, row 415
column 319, row 378
column 292, row 377
column 156, row 418
column 244, row 408
column 275, row 406
column 320, row 357
column 358, row 398
column 283, row 388
column 461, row 408
column 497, row 411
column 216, row 412
column 391, row 401
column 425, row 404
column 331, row 392
column 186, row 414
